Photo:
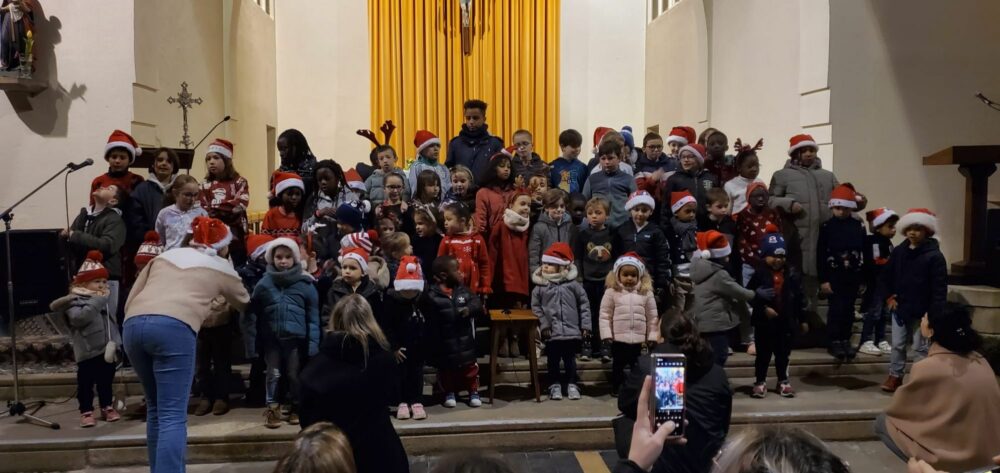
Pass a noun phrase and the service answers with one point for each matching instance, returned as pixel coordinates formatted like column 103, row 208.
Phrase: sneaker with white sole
column 555, row 392
column 869, row 348
column 403, row 411
column 885, row 348
column 572, row 392
column 418, row 412
column 474, row 400
column 449, row 400
column 785, row 389
column 759, row 391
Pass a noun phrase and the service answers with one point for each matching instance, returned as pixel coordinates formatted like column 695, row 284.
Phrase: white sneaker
column 869, row 348
column 474, row 400
column 885, row 347
column 555, row 392
column 858, row 316
column 572, row 392
column 449, row 400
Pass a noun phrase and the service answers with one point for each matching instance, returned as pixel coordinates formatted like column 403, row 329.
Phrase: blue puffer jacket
column 288, row 306
column 473, row 150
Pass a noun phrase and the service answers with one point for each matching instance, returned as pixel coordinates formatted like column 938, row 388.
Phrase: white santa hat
column 409, row 276
column 357, row 254
column 120, row 139
column 923, row 217
column 221, row 147
column 630, row 259
column 640, row 197
column 282, row 242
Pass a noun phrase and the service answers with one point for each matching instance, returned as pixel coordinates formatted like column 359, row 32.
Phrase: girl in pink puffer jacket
column 628, row 315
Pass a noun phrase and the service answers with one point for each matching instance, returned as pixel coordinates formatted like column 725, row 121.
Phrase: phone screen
column 669, row 388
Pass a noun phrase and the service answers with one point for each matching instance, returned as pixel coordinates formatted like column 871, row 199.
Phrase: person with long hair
column 320, row 448
column 348, row 384
column 777, row 448
column 297, row 157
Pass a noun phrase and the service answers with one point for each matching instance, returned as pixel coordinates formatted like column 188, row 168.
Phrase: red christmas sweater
column 510, row 239
column 125, row 180
column 751, row 228
column 473, row 260
column 281, row 224
column 227, row 201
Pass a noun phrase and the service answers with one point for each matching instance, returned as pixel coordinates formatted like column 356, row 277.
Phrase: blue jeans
column 874, row 325
column 283, row 359
column 162, row 351
column 903, row 334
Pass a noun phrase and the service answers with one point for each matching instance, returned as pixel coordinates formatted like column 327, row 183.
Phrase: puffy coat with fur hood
column 716, row 295
column 629, row 315
column 561, row 305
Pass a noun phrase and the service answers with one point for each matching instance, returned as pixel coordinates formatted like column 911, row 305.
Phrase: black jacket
column 790, row 304
column 877, row 251
column 473, row 150
column 918, row 277
column 708, row 400
column 426, row 250
column 403, row 322
column 651, row 245
column 340, row 385
column 450, row 326
column 840, row 250
column 104, row 232
column 697, row 184
column 594, row 252
column 145, row 204
column 339, row 289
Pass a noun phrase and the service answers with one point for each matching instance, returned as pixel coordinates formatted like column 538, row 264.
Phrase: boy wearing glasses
column 526, row 162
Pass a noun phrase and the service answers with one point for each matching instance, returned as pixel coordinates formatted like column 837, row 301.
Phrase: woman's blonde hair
column 611, row 281
column 320, row 448
column 776, row 448
column 353, row 316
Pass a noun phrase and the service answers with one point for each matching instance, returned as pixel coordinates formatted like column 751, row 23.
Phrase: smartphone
column 668, row 383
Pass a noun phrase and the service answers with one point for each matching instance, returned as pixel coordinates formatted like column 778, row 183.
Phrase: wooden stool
column 517, row 321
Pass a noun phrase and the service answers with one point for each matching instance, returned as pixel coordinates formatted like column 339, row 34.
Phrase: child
column 748, row 166
column 428, row 151
column 878, row 247
column 355, row 183
column 251, row 273
column 451, row 309
column 511, row 269
column 914, row 283
column 149, row 249
column 568, row 173
column 100, row 227
column 679, row 137
column 628, row 315
column 778, row 311
column 751, row 225
column 462, row 187
column 214, row 359
column 638, row 236
column 407, row 332
column 394, row 247
column 601, row 135
column 94, row 336
column 690, row 177
column 578, row 210
column 611, row 182
column 594, row 259
column 491, row 199
column 426, row 237
column 120, row 152
column 428, row 189
column 146, row 200
column 681, row 231
column 374, row 185
column 469, row 249
column 320, row 223
column 716, row 217
column 538, row 185
column 563, row 312
column 354, row 279
column 393, row 206
column 716, row 294
column 653, row 158
column 286, row 218
column 717, row 162
column 296, row 156
column 287, row 305
column 225, row 195
column 553, row 225
column 182, row 206
column 526, row 162
column 839, row 262
column 474, row 147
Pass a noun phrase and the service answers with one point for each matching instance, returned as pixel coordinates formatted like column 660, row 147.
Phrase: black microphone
column 224, row 119
column 76, row 167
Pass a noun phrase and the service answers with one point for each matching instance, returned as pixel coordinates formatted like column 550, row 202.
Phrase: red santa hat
column 364, row 240
column 692, row 136
column 509, row 151
column 679, row 199
column 286, row 180
column 409, row 276
column 678, row 135
column 289, row 243
column 149, row 249
column 91, row 268
column 754, row 186
column 630, row 259
column 844, row 195
column 424, row 139
column 221, row 147
column 880, row 216
column 711, row 244
column 558, row 253
column 257, row 244
column 640, row 197
column 923, row 217
column 801, row 140
column 357, row 254
column 354, row 180
column 599, row 133
column 210, row 235
column 697, row 150
column 120, row 139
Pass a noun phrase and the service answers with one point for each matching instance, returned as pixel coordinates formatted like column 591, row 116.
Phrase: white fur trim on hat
column 640, row 197
column 677, row 139
column 285, row 242
column 714, row 253
column 802, row 144
column 883, row 217
column 133, row 150
column 356, row 257
column 691, row 149
column 923, row 219
column 222, row 150
column 629, row 261
column 688, row 199
column 213, row 250
column 555, row 260
column 843, row 203
column 432, row 141
column 285, row 184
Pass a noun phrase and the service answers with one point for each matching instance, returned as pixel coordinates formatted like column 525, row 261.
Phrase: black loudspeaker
column 41, row 273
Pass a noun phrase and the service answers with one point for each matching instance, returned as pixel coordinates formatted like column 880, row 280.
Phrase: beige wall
column 903, row 77
column 89, row 68
column 677, row 74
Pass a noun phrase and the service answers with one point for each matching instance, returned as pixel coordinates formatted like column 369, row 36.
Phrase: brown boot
column 272, row 417
column 204, row 407
column 220, row 407
column 892, row 383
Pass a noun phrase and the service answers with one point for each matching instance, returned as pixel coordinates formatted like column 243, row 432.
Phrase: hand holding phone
column 647, row 443
column 668, row 382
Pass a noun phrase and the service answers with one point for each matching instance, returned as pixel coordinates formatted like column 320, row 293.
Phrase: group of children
column 596, row 250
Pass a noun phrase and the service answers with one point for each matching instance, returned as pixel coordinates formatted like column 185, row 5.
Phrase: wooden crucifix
column 466, row 6
column 185, row 101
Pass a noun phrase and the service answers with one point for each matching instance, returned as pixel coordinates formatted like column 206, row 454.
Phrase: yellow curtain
column 420, row 77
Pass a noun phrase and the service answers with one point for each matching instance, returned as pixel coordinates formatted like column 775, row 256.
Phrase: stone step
column 834, row 408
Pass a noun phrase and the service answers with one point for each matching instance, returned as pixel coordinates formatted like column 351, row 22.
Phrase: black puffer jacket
column 651, row 244
column 697, row 183
column 918, row 277
column 790, row 304
column 340, row 289
column 473, row 149
column 450, row 326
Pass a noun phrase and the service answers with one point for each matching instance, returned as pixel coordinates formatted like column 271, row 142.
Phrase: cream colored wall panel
column 814, row 108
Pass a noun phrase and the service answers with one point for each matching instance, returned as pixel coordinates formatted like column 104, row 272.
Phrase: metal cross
column 185, row 101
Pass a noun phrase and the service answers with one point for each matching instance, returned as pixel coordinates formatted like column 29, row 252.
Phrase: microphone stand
column 16, row 407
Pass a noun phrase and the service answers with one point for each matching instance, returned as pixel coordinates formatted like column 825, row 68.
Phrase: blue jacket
column 473, row 150
column 666, row 163
column 918, row 277
column 288, row 306
column 568, row 175
column 614, row 187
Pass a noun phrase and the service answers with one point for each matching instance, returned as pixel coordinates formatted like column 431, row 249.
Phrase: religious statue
column 16, row 28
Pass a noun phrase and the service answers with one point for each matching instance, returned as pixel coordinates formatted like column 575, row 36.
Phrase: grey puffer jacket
column 561, row 305
column 809, row 187
column 546, row 232
column 90, row 326
column 716, row 296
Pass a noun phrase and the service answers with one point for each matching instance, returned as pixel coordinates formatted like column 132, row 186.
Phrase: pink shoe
column 403, row 411
column 109, row 414
column 418, row 412
column 87, row 419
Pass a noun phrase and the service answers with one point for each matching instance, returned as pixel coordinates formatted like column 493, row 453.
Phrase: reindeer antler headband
column 387, row 128
column 743, row 150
